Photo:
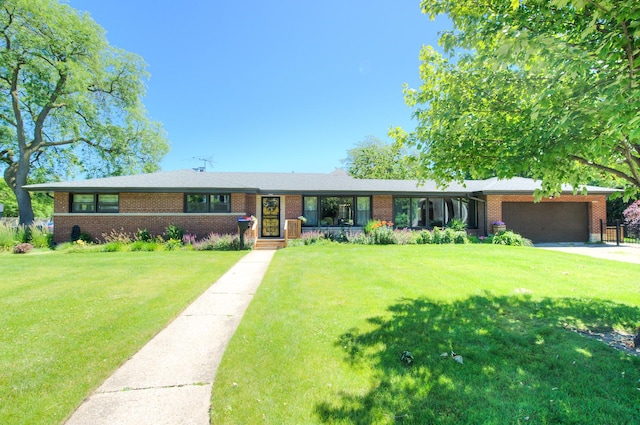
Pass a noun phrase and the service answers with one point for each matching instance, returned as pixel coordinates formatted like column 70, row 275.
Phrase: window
column 91, row 203
column 219, row 203
column 336, row 210
column 363, row 210
column 205, row 203
column 310, row 210
column 107, row 203
column 433, row 212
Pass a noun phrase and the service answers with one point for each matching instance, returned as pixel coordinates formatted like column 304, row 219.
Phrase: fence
column 617, row 233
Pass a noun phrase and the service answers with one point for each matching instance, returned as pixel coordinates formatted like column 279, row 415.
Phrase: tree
column 42, row 203
column 374, row 159
column 71, row 103
column 632, row 218
column 543, row 88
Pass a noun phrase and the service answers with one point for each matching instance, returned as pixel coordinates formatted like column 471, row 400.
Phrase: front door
column 271, row 216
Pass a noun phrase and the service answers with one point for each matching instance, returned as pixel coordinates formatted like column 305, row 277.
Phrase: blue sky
column 284, row 85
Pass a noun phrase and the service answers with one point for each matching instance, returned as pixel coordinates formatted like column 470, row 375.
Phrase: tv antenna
column 205, row 161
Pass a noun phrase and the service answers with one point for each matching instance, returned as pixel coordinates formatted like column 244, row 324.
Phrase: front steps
column 269, row 244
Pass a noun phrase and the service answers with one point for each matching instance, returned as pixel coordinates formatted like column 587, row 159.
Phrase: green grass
column 320, row 343
column 69, row 320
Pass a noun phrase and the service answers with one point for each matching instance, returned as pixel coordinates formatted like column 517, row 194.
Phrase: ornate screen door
column 271, row 216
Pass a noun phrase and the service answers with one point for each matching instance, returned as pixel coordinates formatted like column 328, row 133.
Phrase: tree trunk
column 16, row 176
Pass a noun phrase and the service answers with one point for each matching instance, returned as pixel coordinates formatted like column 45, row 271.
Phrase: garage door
column 548, row 222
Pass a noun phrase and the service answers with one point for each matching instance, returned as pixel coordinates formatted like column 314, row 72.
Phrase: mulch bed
column 621, row 341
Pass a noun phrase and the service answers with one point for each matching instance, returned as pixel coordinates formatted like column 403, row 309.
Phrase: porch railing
column 254, row 231
column 292, row 229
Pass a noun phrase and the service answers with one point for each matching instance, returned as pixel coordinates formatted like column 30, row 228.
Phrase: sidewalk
column 169, row 380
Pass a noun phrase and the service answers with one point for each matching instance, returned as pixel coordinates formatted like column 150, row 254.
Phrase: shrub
column 22, row 248
column 360, row 238
column 114, row 247
column 22, row 234
column 173, row 232
column 173, row 244
column 460, row 237
column 143, row 235
column 217, row 242
column 7, row 237
column 40, row 237
column 146, row 246
column 436, row 235
column 457, row 224
column 423, row 237
column 510, row 238
column 383, row 235
column 403, row 236
column 77, row 246
column 121, row 237
column 189, row 239
column 632, row 218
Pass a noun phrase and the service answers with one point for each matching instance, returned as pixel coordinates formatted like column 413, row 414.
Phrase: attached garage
column 548, row 221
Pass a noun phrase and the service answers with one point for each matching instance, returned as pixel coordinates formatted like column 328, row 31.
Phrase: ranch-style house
column 212, row 202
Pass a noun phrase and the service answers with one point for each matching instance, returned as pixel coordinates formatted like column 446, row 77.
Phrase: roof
column 190, row 181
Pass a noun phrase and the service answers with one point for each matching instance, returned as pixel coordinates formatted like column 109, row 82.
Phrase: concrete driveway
column 629, row 253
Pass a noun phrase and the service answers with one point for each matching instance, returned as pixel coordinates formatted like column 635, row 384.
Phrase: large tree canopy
column 374, row 159
column 548, row 89
column 69, row 102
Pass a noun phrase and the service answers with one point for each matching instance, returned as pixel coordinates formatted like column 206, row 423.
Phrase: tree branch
column 39, row 123
column 15, row 103
column 6, row 156
column 629, row 50
column 606, row 169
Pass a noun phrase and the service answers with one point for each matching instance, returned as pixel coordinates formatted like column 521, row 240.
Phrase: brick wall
column 151, row 202
column 151, row 211
column 597, row 208
column 293, row 206
column 382, row 208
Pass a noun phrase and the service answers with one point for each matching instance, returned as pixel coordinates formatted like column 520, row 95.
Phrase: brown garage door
column 548, row 222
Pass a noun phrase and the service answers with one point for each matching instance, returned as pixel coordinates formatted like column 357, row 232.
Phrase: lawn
column 69, row 320
column 321, row 341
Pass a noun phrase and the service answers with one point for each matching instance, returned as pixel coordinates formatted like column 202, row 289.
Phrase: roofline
column 101, row 189
column 255, row 191
column 596, row 191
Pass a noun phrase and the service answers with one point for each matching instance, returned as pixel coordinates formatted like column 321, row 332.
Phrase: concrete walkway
column 169, row 380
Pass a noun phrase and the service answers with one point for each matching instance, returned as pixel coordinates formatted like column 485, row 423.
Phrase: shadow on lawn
column 520, row 364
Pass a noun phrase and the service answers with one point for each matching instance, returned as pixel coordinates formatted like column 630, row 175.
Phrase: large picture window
column 428, row 212
column 95, row 202
column 337, row 210
column 208, row 203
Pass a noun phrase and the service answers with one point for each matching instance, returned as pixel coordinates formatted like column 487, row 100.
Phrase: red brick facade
column 382, row 207
column 293, row 206
column 156, row 211
column 151, row 211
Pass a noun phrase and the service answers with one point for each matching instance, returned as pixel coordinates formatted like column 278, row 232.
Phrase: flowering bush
column 632, row 218
column 510, row 238
column 377, row 224
column 217, row 242
column 311, row 238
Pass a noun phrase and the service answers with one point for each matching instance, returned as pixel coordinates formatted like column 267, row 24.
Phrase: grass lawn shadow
column 520, row 364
